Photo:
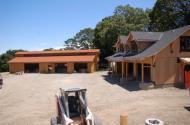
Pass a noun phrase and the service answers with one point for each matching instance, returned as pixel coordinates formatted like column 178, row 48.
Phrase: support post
column 116, row 68
column 126, row 70
column 123, row 119
column 142, row 72
column 111, row 68
column 122, row 68
column 135, row 70
column 109, row 64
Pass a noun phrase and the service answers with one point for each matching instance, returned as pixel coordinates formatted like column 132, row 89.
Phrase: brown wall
column 91, row 67
column 143, row 45
column 43, row 67
column 168, row 71
column 16, row 67
column 70, row 67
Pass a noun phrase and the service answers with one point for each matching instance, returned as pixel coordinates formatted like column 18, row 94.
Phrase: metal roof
column 53, row 59
column 58, row 52
column 146, row 36
column 167, row 38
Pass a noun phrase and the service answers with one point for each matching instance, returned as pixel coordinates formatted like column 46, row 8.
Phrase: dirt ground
column 29, row 99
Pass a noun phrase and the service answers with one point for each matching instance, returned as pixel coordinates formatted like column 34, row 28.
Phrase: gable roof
column 167, row 38
column 123, row 39
column 146, row 36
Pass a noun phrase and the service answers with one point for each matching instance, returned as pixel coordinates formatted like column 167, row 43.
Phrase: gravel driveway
column 29, row 99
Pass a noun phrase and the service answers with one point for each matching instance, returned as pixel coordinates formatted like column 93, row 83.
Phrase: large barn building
column 153, row 58
column 56, row 61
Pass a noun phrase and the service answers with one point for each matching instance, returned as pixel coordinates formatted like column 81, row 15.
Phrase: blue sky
column 39, row 24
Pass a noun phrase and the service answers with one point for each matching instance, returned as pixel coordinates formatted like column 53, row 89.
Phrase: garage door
column 61, row 68
column 80, row 67
column 31, row 68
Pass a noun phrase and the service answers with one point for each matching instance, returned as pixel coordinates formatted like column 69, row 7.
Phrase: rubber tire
column 53, row 120
column 97, row 121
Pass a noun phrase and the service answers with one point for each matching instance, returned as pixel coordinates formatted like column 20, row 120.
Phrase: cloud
column 45, row 45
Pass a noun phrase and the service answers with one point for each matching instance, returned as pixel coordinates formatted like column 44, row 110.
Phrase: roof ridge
column 146, row 32
column 177, row 28
column 59, row 51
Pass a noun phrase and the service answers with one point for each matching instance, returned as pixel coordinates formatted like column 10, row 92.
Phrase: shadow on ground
column 130, row 85
column 187, row 108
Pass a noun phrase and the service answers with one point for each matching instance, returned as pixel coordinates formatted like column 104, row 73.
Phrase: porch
column 133, row 71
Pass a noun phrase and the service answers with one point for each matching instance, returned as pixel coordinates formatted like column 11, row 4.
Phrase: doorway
column 130, row 71
column 61, row 68
column 139, row 71
column 147, row 72
column 119, row 68
column 80, row 67
column 31, row 68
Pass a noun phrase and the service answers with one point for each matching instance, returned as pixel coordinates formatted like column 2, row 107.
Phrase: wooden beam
column 135, row 70
column 123, row 119
column 154, row 60
column 142, row 72
column 126, row 69
column 122, row 68
column 116, row 68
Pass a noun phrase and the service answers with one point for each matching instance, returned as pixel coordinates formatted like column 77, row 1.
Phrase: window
column 185, row 43
column 134, row 47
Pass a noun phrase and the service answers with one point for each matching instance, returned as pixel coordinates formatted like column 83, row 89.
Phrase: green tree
column 49, row 49
column 124, row 20
column 82, row 40
column 5, row 57
column 169, row 14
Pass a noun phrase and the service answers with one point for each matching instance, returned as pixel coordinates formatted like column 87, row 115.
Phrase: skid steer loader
column 72, row 108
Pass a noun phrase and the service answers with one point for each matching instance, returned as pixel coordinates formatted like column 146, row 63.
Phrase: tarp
column 185, row 60
column 187, row 79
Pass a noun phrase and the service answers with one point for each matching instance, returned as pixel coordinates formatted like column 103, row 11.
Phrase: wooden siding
column 168, row 70
column 90, row 67
column 70, row 67
column 16, row 67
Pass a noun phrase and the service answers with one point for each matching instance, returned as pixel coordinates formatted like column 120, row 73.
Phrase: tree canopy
column 5, row 57
column 49, row 49
column 82, row 40
column 124, row 20
column 169, row 14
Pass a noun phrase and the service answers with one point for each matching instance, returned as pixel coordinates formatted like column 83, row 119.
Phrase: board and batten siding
column 168, row 70
column 16, row 67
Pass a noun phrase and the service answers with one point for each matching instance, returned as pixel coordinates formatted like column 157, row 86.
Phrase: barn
column 153, row 58
column 55, row 61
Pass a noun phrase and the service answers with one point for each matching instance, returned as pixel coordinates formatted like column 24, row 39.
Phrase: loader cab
column 73, row 105
column 72, row 108
column 76, row 102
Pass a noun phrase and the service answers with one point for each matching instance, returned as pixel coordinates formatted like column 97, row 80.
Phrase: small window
column 185, row 43
column 134, row 47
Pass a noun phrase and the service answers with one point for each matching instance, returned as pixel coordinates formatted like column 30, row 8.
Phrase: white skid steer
column 72, row 108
